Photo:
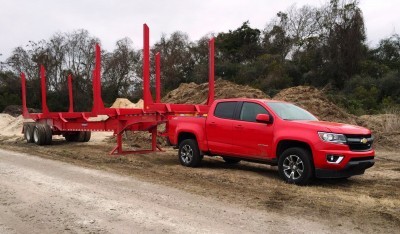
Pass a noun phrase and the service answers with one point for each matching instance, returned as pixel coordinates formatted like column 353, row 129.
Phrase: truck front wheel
column 295, row 166
column 189, row 153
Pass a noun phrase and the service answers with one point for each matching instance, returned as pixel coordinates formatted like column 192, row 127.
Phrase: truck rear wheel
column 295, row 166
column 28, row 133
column 189, row 153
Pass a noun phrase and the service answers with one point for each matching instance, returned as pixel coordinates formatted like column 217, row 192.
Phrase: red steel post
column 158, row 78
column 97, row 100
column 154, row 139
column 70, row 95
column 147, row 99
column 211, row 72
column 23, row 89
column 45, row 110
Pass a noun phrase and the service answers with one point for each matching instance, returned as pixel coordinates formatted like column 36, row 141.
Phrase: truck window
column 225, row 110
column 250, row 111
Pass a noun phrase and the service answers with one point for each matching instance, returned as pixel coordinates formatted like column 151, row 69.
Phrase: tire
column 87, row 136
column 231, row 160
column 71, row 137
column 295, row 166
column 189, row 153
column 39, row 134
column 28, row 133
column 49, row 134
column 80, row 136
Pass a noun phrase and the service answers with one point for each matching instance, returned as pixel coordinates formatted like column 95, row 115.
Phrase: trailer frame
column 119, row 120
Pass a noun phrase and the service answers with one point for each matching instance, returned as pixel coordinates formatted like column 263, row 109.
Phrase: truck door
column 251, row 138
column 219, row 128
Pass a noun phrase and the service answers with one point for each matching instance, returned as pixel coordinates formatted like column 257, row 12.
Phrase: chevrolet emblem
column 364, row 140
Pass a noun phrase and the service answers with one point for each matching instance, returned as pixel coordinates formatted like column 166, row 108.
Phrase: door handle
column 238, row 126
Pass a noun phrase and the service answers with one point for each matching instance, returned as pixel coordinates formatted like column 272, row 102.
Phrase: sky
column 22, row 21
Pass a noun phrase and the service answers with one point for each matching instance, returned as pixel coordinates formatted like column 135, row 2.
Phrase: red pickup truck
column 275, row 133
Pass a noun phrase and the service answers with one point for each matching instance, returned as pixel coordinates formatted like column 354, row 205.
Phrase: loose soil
column 315, row 102
column 192, row 93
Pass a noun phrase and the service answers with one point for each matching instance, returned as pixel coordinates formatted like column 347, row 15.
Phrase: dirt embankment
column 317, row 103
column 197, row 93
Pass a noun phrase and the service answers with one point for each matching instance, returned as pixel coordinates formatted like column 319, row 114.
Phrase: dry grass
column 391, row 120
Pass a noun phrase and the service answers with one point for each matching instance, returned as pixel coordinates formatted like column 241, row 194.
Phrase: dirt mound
column 16, row 110
column 317, row 103
column 125, row 103
column 197, row 93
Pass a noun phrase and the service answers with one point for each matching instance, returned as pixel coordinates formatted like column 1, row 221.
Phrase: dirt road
column 363, row 204
column 45, row 196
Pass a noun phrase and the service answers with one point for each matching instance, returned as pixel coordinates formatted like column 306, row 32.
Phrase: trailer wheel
column 80, row 137
column 189, row 153
column 49, row 134
column 39, row 134
column 87, row 136
column 71, row 137
column 28, row 133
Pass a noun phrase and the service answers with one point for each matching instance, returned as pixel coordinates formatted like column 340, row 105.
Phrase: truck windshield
column 288, row 111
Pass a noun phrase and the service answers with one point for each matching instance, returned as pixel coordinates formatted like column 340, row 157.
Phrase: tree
column 65, row 53
column 343, row 36
column 10, row 89
column 239, row 46
column 176, row 60
column 119, row 74
column 237, row 52
column 388, row 52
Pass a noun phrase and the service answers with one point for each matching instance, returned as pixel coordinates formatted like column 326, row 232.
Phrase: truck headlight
column 332, row 137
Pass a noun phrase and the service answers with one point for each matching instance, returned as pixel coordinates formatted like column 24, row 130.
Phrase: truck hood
column 335, row 127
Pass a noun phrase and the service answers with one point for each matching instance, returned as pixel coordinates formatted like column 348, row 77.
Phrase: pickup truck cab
column 275, row 133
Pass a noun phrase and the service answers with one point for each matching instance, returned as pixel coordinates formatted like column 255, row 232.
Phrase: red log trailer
column 76, row 126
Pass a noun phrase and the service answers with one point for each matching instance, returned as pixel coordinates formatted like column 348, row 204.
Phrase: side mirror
column 263, row 118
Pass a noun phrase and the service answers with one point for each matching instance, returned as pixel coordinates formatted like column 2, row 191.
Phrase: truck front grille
column 359, row 142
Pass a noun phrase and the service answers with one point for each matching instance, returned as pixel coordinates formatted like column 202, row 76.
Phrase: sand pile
column 125, row 103
column 11, row 126
column 197, row 93
column 317, row 103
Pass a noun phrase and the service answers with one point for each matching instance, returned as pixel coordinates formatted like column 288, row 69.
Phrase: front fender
column 308, row 137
